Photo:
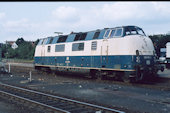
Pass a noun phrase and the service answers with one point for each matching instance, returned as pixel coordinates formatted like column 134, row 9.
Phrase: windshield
column 134, row 31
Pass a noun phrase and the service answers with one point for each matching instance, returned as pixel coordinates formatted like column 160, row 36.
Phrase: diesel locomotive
column 123, row 52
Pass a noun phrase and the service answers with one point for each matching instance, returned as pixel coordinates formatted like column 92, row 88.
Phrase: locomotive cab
column 135, row 51
column 144, row 61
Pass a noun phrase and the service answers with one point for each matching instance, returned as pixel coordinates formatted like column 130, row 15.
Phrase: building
column 12, row 44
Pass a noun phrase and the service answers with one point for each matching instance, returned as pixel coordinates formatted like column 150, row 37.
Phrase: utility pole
column 58, row 33
column 0, row 52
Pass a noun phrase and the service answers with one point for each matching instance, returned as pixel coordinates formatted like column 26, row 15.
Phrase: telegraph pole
column 58, row 33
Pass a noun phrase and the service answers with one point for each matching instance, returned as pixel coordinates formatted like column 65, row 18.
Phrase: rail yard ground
column 153, row 97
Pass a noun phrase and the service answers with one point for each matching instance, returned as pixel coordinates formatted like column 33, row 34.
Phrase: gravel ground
column 7, row 106
column 128, row 97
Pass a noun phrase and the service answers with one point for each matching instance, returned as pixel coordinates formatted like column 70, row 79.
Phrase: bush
column 25, row 50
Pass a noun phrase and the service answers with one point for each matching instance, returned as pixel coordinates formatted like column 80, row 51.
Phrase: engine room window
column 51, row 39
column 49, row 48
column 78, row 47
column 45, row 41
column 107, row 33
column 80, row 36
column 77, row 37
column 96, row 35
column 94, row 45
column 40, row 42
column 83, row 36
column 118, row 32
column 61, row 39
column 60, row 48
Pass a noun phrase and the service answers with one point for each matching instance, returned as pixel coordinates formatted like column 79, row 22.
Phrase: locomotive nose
column 146, row 45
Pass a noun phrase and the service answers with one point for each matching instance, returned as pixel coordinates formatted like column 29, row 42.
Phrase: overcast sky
column 34, row 20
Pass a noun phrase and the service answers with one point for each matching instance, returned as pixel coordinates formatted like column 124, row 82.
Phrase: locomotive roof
column 128, row 26
column 77, row 36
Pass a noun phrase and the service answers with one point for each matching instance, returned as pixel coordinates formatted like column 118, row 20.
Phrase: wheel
column 139, row 74
column 168, row 66
column 93, row 74
column 126, row 79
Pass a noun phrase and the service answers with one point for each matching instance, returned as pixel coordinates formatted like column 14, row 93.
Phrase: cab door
column 93, row 60
column 104, row 53
column 43, row 54
column 104, row 49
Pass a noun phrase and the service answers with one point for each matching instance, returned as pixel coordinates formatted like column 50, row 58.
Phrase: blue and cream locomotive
column 123, row 52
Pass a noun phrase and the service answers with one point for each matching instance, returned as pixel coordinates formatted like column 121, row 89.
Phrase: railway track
column 159, row 83
column 49, row 102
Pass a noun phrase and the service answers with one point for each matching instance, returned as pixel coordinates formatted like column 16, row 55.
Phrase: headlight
column 147, row 57
column 148, row 62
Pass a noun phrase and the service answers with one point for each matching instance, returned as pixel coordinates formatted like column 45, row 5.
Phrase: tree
column 159, row 41
column 20, row 41
column 4, row 49
column 36, row 42
column 25, row 50
column 11, row 53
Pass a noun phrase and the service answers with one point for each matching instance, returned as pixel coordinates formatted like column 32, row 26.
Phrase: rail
column 52, row 102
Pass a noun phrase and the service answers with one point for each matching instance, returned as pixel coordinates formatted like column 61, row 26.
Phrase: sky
column 35, row 20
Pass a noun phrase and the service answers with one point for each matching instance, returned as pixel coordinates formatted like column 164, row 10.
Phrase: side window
column 107, row 33
column 94, row 45
column 118, row 32
column 49, row 48
column 60, row 48
column 112, row 33
column 78, row 47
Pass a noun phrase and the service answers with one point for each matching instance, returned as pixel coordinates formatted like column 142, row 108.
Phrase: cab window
column 118, row 32
column 134, row 31
column 107, row 33
column 112, row 33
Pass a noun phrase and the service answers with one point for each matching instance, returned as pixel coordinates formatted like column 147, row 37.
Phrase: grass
column 18, row 60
